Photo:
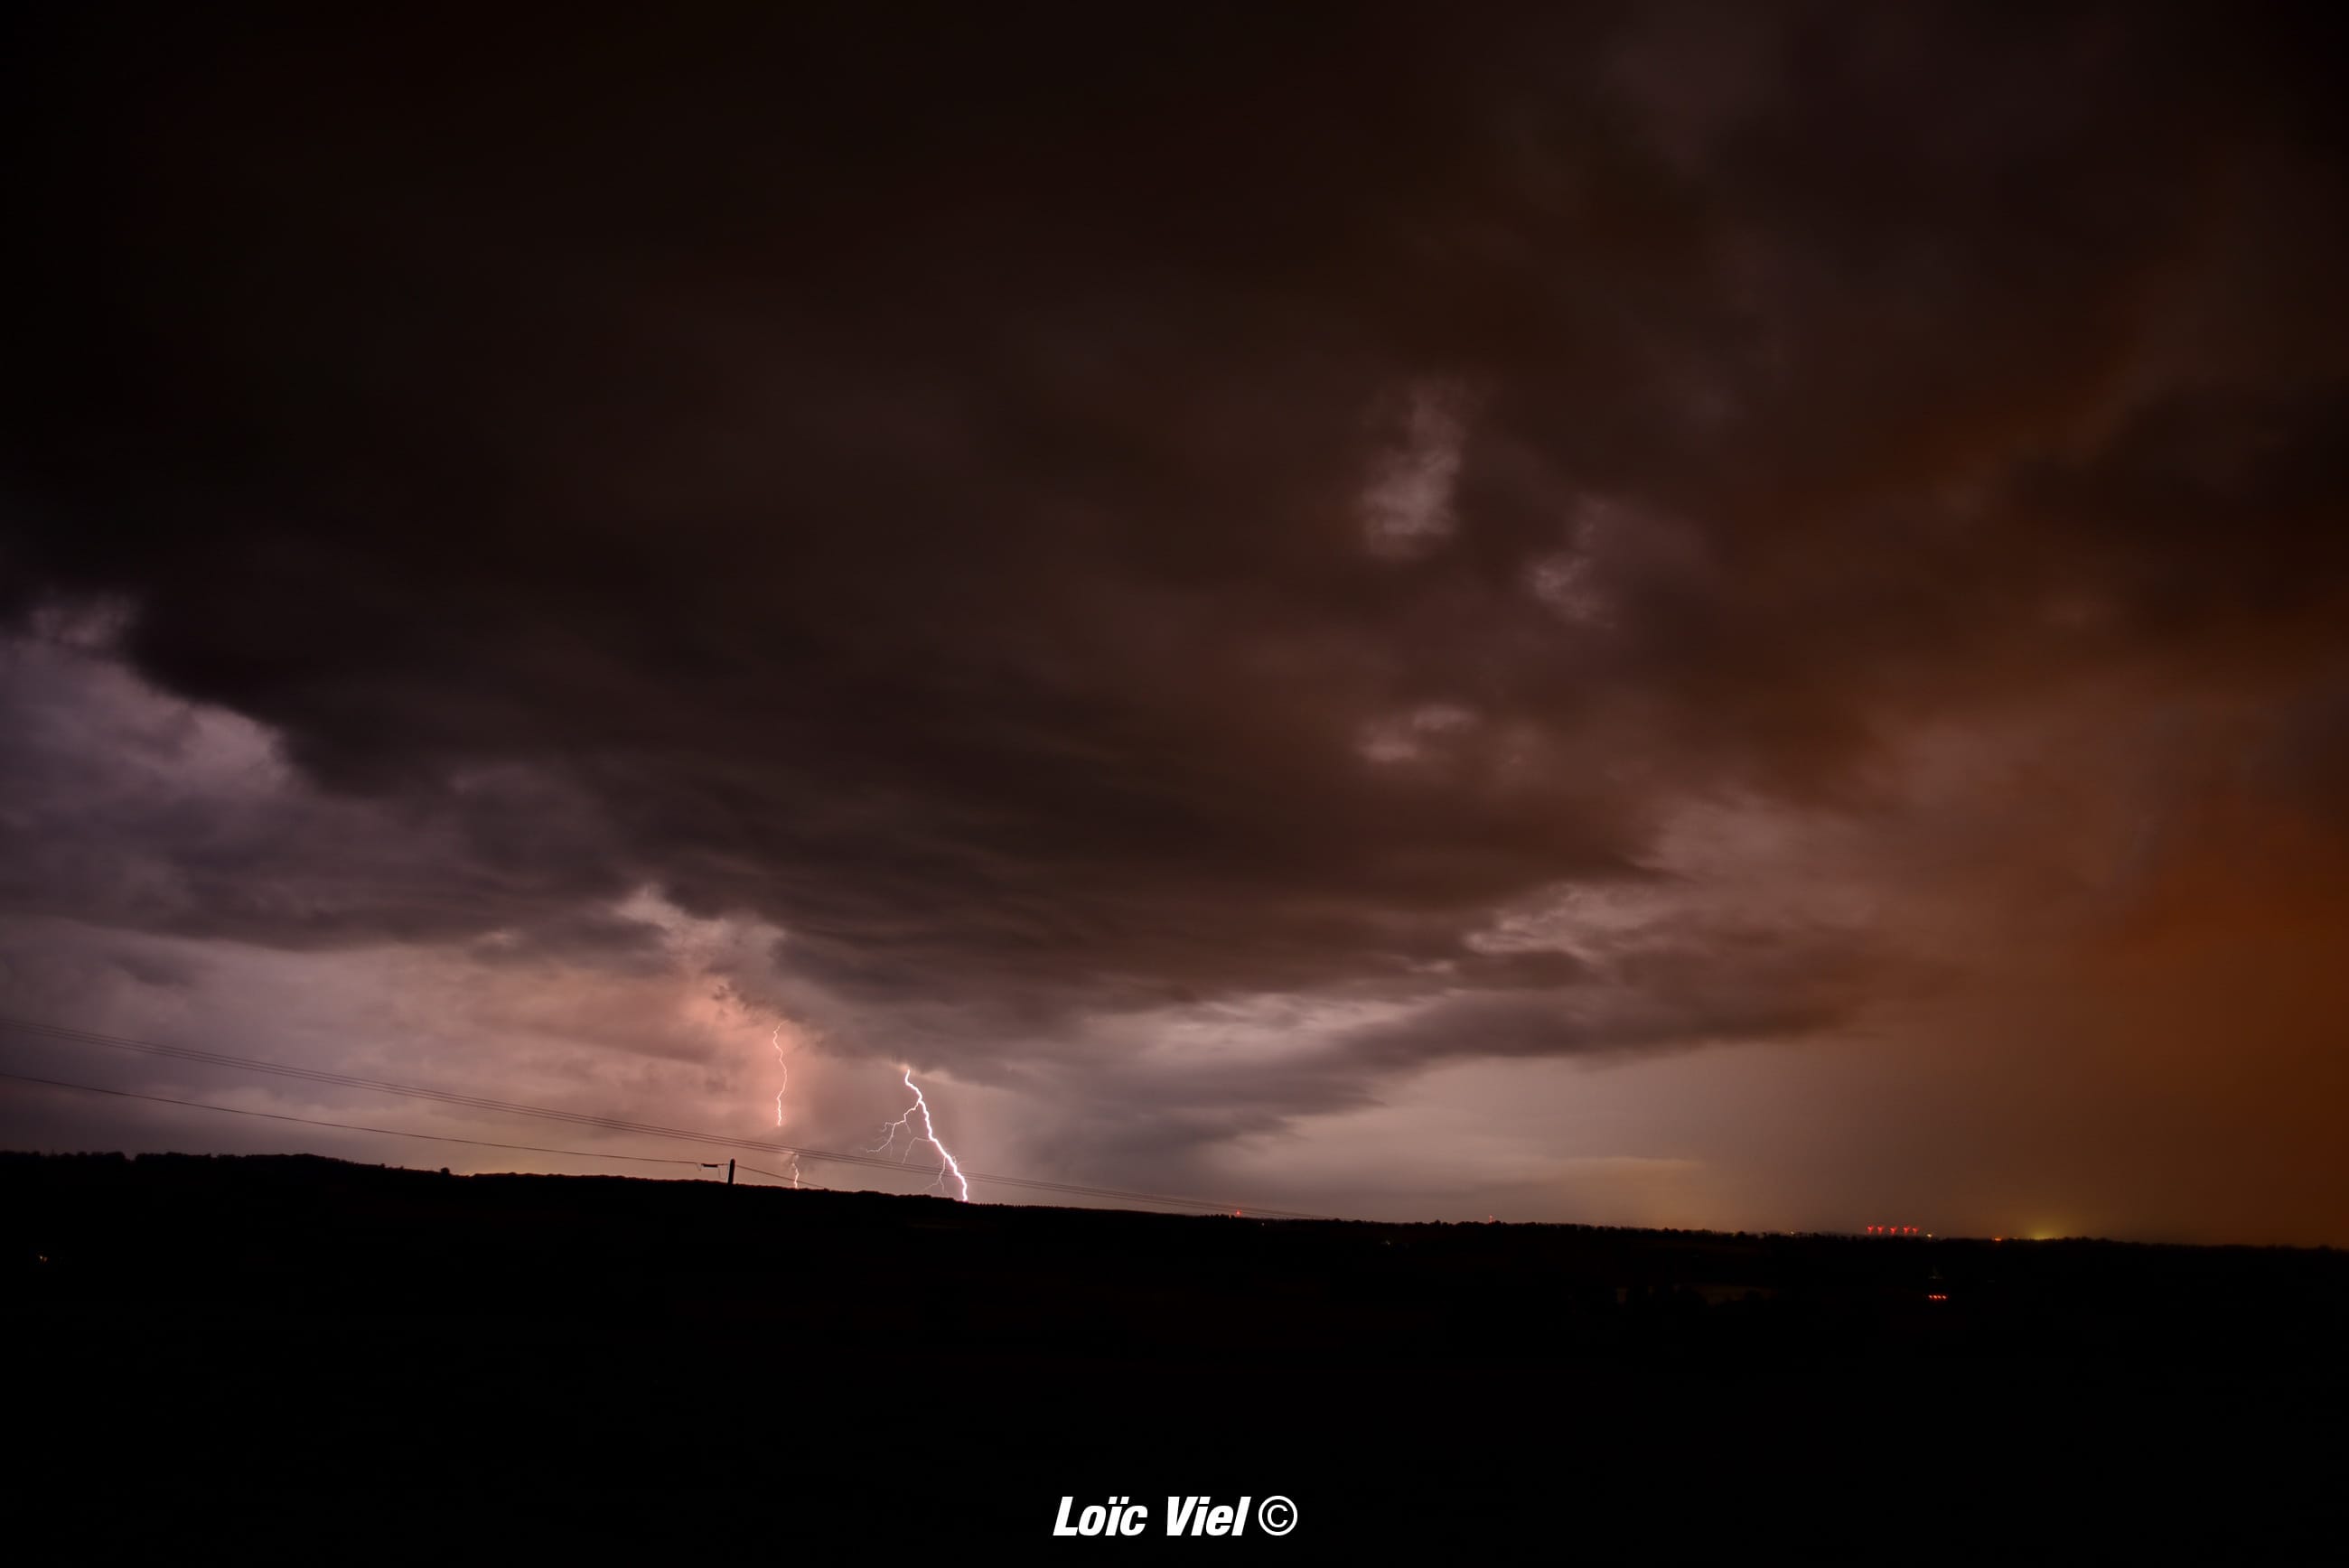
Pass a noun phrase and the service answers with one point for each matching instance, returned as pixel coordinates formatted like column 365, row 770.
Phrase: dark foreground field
column 342, row 1361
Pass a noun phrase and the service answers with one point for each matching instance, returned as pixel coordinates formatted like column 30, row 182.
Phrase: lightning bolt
column 930, row 1135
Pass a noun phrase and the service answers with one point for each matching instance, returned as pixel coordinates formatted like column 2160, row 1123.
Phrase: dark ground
column 342, row 1360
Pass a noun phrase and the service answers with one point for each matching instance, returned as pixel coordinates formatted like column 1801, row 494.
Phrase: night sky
column 1730, row 616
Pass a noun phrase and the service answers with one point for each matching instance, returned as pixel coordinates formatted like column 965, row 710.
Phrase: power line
column 345, row 1126
column 612, row 1124
column 867, row 1158
column 796, row 1186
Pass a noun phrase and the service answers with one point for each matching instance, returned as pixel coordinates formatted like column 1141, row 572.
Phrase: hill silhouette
column 576, row 1356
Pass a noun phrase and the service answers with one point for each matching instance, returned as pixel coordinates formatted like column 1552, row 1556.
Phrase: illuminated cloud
column 1407, row 504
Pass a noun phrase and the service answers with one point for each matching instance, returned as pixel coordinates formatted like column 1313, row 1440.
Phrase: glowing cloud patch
column 1406, row 505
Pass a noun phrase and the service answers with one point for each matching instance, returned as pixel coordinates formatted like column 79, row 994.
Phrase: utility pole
column 730, row 1173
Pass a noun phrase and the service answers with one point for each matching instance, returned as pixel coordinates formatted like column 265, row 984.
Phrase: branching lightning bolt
column 905, row 1124
column 930, row 1135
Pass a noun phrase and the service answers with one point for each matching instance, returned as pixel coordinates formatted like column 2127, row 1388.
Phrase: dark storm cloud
column 1698, row 988
column 1694, row 982
column 917, row 478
